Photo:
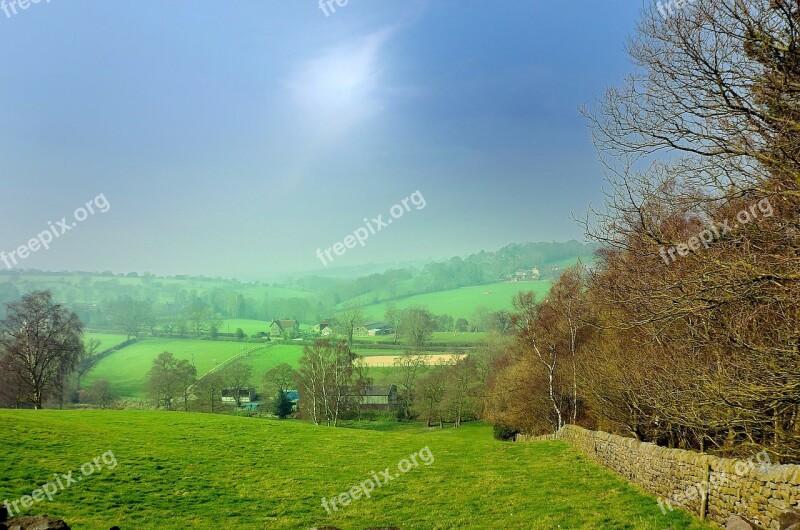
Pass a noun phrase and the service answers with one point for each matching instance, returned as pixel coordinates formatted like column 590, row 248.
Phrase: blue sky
column 235, row 138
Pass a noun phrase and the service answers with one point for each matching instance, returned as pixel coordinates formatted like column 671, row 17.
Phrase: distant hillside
column 483, row 268
column 464, row 302
column 308, row 299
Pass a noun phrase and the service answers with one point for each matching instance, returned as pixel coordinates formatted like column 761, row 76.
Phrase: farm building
column 526, row 275
column 246, row 395
column 374, row 329
column 380, row 397
column 324, row 329
column 279, row 328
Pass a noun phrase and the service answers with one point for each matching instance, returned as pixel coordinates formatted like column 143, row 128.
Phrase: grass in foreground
column 178, row 470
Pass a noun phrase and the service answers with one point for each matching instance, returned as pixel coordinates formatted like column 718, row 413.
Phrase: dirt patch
column 388, row 360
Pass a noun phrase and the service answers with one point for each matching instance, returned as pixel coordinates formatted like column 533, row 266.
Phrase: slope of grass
column 177, row 471
column 250, row 327
column 126, row 369
column 270, row 357
column 107, row 340
column 463, row 302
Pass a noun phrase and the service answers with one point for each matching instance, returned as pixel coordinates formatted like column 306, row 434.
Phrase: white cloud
column 340, row 88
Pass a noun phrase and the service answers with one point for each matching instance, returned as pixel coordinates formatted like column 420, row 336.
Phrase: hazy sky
column 235, row 138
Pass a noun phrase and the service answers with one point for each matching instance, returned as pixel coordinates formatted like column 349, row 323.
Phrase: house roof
column 377, row 325
column 228, row 392
column 378, row 390
column 283, row 324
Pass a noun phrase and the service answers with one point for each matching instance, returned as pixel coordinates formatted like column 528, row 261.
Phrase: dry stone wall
column 704, row 485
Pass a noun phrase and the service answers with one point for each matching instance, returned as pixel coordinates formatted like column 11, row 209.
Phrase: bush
column 504, row 432
column 282, row 407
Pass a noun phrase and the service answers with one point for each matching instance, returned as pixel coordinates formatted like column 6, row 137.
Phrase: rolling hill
column 464, row 301
column 126, row 369
column 169, row 471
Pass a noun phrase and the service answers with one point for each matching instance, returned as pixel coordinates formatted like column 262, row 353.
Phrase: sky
column 237, row 138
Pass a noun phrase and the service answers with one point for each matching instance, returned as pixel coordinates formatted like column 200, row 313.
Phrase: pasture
column 270, row 357
column 250, row 327
column 107, row 340
column 184, row 470
column 462, row 303
column 126, row 369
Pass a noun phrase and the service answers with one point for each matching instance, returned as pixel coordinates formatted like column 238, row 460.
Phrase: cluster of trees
column 450, row 391
column 93, row 296
column 477, row 269
column 331, row 380
column 173, row 383
column 685, row 334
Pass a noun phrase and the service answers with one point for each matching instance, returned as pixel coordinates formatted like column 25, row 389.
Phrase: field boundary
column 705, row 485
column 226, row 362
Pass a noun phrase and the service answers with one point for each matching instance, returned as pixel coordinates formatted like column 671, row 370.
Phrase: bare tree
column 237, row 378
column 86, row 360
column 347, row 321
column 411, row 366
column 131, row 315
column 416, row 325
column 41, row 342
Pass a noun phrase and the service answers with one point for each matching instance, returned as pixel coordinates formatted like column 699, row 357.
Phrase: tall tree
column 200, row 317
column 237, row 378
column 411, row 366
column 163, row 380
column 132, row 316
column 41, row 344
column 326, row 380
column 416, row 325
column 186, row 377
column 347, row 321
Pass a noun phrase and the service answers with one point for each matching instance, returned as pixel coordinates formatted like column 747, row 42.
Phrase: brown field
column 388, row 360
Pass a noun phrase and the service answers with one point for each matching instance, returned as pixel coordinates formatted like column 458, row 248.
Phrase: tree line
column 685, row 332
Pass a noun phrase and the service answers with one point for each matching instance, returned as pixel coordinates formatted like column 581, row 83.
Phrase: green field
column 270, row 357
column 107, row 340
column 250, row 327
column 183, row 470
column 126, row 369
column 461, row 303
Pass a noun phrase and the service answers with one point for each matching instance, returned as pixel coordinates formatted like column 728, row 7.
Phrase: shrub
column 504, row 432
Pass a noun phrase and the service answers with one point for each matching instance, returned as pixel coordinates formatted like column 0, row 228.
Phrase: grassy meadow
column 183, row 470
column 270, row 357
column 463, row 302
column 250, row 327
column 107, row 340
column 126, row 369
